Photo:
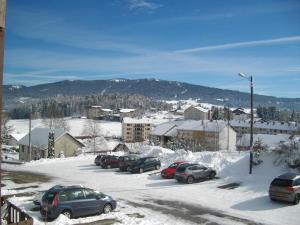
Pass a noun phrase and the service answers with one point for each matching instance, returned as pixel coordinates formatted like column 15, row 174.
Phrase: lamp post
column 250, row 78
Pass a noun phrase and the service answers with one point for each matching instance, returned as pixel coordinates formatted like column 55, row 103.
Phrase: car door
column 93, row 203
column 202, row 172
column 77, row 201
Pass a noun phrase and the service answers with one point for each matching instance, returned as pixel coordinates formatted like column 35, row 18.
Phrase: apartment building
column 135, row 130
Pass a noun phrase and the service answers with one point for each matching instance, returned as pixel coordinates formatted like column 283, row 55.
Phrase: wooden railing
column 15, row 216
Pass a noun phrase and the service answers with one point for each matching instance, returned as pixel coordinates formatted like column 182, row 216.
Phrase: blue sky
column 195, row 41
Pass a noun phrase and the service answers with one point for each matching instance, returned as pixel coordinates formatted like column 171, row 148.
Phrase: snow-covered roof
column 272, row 140
column 203, row 125
column 199, row 108
column 167, row 128
column 133, row 120
column 107, row 110
column 96, row 106
column 18, row 136
column 39, row 137
column 126, row 110
column 277, row 125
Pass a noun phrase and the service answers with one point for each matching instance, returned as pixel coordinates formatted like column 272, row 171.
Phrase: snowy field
column 148, row 199
column 78, row 125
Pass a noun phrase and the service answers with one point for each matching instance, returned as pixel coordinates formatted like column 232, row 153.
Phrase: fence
column 16, row 216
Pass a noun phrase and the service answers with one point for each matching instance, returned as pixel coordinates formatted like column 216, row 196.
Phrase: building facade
column 64, row 144
column 196, row 113
column 135, row 130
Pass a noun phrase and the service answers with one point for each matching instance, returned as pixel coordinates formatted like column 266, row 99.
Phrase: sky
column 195, row 41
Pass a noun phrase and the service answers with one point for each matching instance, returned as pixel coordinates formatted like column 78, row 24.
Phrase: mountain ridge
column 150, row 87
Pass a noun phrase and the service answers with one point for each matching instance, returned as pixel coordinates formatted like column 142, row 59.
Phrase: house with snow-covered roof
column 127, row 113
column 263, row 127
column 64, row 144
column 98, row 112
column 210, row 135
column 196, row 113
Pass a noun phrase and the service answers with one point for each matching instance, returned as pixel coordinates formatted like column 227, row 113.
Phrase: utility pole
column 29, row 135
column 2, row 32
column 250, row 78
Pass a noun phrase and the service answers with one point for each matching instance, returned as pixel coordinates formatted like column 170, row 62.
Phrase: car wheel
column 212, row 175
column 141, row 170
column 108, row 166
column 157, row 167
column 107, row 208
column 297, row 199
column 67, row 213
column 190, row 180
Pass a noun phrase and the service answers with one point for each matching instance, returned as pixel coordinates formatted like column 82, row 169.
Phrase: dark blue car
column 74, row 201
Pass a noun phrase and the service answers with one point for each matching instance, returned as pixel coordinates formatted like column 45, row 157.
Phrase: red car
column 170, row 171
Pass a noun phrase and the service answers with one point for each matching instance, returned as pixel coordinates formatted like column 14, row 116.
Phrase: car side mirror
column 98, row 197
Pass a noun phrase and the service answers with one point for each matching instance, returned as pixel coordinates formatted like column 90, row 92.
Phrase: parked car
column 74, row 201
column 126, row 161
column 189, row 172
column 170, row 171
column 286, row 187
column 98, row 159
column 145, row 164
column 110, row 161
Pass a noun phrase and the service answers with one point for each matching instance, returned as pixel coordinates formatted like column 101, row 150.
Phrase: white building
column 205, row 134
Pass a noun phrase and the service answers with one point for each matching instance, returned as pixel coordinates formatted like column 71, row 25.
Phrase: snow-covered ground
column 159, row 201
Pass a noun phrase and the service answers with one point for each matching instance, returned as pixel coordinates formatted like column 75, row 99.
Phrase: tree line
column 65, row 106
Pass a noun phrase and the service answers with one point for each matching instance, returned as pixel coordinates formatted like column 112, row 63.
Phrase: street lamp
column 251, row 123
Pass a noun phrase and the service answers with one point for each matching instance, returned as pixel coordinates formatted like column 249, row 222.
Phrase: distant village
column 191, row 127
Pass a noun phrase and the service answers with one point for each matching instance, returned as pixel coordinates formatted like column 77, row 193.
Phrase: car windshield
column 173, row 165
column 282, row 182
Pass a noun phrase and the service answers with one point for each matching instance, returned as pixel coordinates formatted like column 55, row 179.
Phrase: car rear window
column 282, row 182
column 48, row 197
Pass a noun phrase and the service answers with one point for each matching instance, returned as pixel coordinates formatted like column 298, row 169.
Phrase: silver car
column 286, row 187
column 189, row 172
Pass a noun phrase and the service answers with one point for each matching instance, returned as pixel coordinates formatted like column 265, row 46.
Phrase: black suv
column 126, row 161
column 145, row 164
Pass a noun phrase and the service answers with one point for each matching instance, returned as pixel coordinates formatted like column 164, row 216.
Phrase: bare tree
column 92, row 130
column 55, row 119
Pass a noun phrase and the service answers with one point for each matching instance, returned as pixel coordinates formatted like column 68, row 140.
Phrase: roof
column 96, row 106
column 106, row 110
column 198, row 108
column 133, row 120
column 203, row 125
column 126, row 110
column 170, row 128
column 289, row 176
column 18, row 136
column 40, row 136
column 277, row 125
column 167, row 128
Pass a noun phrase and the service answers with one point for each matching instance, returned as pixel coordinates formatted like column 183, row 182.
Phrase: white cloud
column 142, row 4
column 242, row 44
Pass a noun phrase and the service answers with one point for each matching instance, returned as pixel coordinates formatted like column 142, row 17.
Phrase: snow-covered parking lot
column 233, row 198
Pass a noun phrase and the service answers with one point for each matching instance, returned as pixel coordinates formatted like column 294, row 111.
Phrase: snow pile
column 217, row 160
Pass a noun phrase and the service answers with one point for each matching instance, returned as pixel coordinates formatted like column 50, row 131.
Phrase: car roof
column 61, row 187
column 179, row 162
column 289, row 176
